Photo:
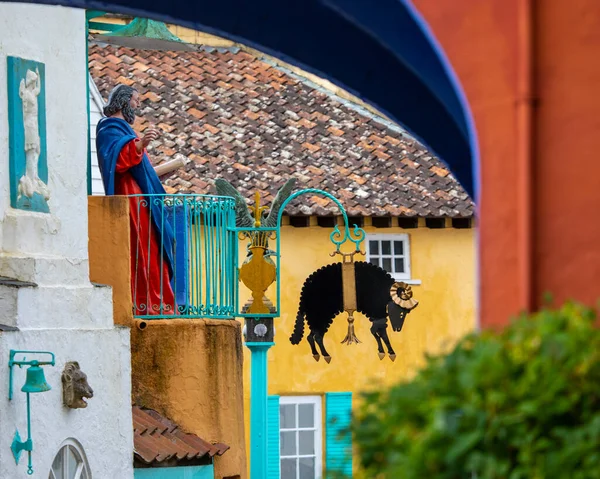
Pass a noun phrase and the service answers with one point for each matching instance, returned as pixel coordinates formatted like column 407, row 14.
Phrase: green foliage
column 520, row 404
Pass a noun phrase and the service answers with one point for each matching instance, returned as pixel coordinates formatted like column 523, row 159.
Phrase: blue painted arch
column 379, row 50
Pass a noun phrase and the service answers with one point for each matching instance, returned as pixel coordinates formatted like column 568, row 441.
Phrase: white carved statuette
column 30, row 182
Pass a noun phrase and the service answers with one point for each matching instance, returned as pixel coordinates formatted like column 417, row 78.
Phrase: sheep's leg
column 311, row 341
column 375, row 333
column 319, row 340
column 384, row 335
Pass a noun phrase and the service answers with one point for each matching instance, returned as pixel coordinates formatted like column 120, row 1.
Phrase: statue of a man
column 30, row 182
column 126, row 170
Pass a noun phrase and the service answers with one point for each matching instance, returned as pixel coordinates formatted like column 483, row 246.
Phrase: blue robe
column 112, row 134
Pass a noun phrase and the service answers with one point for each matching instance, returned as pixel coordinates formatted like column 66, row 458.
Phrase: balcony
column 174, row 256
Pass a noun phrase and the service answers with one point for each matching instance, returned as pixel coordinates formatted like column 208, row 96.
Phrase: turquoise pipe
column 258, row 409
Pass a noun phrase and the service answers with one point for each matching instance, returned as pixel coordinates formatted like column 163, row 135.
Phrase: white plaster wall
column 65, row 313
column 56, row 37
column 104, row 428
column 56, row 307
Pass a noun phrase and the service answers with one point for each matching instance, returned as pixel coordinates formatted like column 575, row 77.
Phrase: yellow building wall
column 443, row 259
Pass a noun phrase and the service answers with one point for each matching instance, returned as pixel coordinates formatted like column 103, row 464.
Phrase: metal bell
column 36, row 381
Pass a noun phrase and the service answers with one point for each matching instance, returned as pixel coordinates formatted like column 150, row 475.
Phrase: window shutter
column 273, row 437
column 338, row 446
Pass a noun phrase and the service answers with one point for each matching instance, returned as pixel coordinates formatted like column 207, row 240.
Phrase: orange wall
column 191, row 371
column 567, row 196
column 486, row 41
column 108, row 231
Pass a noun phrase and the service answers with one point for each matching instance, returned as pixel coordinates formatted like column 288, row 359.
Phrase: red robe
column 149, row 269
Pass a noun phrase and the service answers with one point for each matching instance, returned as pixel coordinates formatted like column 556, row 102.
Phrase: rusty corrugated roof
column 156, row 440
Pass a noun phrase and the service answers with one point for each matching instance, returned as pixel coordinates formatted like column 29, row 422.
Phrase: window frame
column 79, row 453
column 406, row 276
column 317, row 402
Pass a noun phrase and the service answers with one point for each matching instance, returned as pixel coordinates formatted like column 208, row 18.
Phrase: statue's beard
column 129, row 114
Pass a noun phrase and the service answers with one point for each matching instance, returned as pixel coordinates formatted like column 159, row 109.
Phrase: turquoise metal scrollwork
column 336, row 236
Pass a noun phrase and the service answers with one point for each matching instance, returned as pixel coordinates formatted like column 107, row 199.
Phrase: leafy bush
column 523, row 403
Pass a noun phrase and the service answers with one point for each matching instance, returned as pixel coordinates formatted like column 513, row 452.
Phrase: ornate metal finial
column 258, row 272
column 257, row 210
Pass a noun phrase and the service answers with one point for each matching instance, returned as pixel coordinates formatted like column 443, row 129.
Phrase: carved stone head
column 75, row 386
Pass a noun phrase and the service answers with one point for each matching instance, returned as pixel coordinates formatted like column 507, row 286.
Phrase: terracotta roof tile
column 156, row 439
column 228, row 114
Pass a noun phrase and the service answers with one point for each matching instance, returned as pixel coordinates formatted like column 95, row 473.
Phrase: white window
column 300, row 446
column 70, row 462
column 391, row 252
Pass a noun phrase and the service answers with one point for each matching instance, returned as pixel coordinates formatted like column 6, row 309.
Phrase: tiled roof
column 231, row 115
column 157, row 440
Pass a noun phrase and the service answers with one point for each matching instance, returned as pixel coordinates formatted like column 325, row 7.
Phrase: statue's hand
column 152, row 134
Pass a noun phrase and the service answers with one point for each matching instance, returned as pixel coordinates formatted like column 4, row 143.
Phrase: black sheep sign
column 351, row 286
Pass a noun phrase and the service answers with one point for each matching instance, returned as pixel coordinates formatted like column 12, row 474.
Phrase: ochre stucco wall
column 443, row 259
column 191, row 372
column 108, row 225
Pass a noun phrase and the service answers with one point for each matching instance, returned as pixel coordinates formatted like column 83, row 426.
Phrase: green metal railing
column 183, row 256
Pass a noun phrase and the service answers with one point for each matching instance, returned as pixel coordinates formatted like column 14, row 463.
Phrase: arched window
column 70, row 462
